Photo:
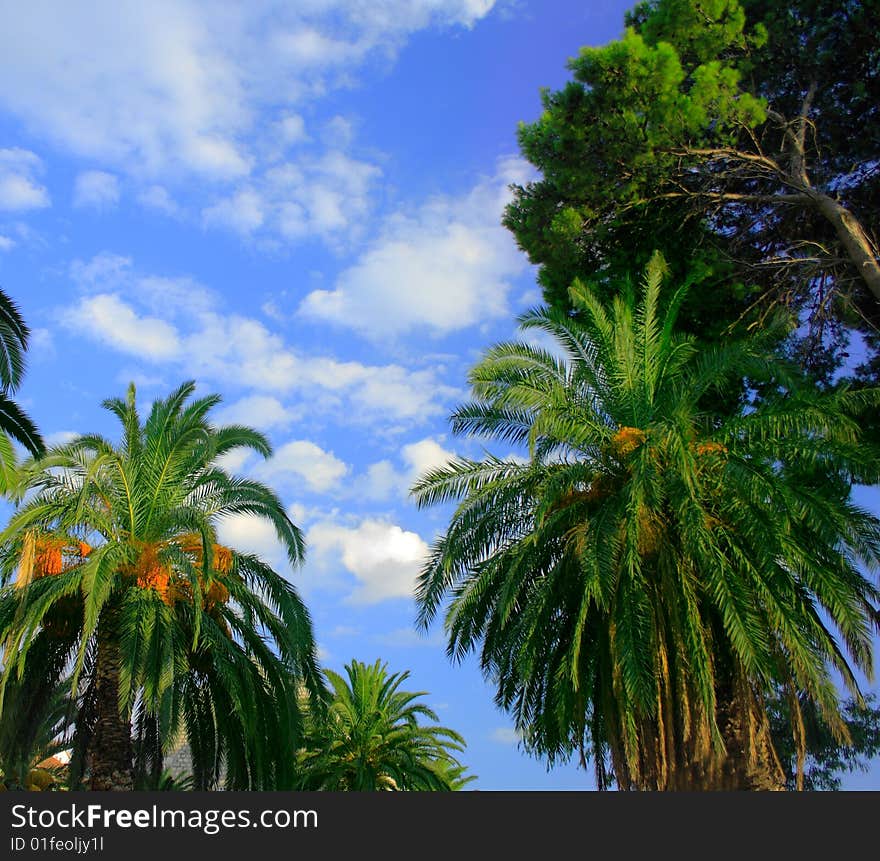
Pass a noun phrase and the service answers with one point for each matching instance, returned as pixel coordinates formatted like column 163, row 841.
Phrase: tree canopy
column 740, row 138
column 654, row 570
column 112, row 568
column 376, row 736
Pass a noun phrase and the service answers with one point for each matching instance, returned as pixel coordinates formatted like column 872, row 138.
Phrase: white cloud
column 328, row 195
column 424, row 455
column 292, row 129
column 96, row 189
column 175, row 86
column 345, row 631
column 260, row 411
column 61, row 437
column 177, row 320
column 180, row 297
column 242, row 212
column 505, row 735
column 19, row 187
column 384, row 559
column 156, row 197
column 338, row 132
column 249, row 534
column 382, row 480
column 409, row 638
column 234, row 461
column 325, row 195
column 301, row 461
column 6, row 243
column 105, row 271
column 446, row 267
column 110, row 320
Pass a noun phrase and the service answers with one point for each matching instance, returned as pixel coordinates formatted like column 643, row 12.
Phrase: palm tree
column 33, row 729
column 14, row 422
column 114, row 561
column 653, row 571
column 370, row 738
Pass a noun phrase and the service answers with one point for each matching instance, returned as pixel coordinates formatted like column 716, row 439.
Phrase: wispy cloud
column 505, row 735
column 20, row 188
column 96, row 189
column 409, row 638
column 176, row 321
column 172, row 92
column 384, row 480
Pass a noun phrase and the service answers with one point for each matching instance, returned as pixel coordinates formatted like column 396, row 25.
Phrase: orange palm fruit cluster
column 627, row 440
column 709, row 448
column 151, row 573
column 48, row 556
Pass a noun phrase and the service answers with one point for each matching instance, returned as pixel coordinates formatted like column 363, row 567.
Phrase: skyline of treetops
column 503, row 437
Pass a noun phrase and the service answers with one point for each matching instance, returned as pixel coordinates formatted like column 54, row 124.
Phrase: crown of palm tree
column 652, row 563
column 373, row 737
column 118, row 545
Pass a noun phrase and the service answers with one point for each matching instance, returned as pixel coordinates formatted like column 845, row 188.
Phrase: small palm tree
column 34, row 727
column 14, row 422
column 371, row 738
column 642, row 583
column 114, row 563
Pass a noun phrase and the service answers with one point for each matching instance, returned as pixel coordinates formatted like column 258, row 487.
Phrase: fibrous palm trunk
column 110, row 750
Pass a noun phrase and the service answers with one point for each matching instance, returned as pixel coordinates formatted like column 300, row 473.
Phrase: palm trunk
column 678, row 749
column 109, row 753
column 748, row 761
column 751, row 762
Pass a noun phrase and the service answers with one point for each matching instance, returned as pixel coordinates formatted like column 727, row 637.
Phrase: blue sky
column 298, row 205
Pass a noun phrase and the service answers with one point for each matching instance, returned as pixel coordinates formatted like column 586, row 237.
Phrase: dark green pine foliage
column 742, row 140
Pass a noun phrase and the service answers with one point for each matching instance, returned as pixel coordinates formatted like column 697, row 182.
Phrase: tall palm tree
column 371, row 738
column 114, row 561
column 639, row 585
column 14, row 422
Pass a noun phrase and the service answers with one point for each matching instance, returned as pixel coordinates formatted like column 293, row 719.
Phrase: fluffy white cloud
column 249, row 534
column 6, row 243
column 173, row 85
column 443, row 268
column 292, row 129
column 20, row 188
column 259, row 411
column 303, row 462
column 424, row 455
column 61, row 437
column 177, row 320
column 384, row 559
column 383, row 480
column 110, row 320
column 243, row 212
column 96, row 189
column 326, row 195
